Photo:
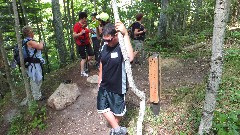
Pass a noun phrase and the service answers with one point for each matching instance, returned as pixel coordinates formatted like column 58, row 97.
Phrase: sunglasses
column 108, row 40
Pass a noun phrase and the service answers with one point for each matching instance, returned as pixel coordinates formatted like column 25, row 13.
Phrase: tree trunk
column 24, row 12
column 58, row 28
column 70, row 25
column 38, row 29
column 162, row 29
column 198, row 7
column 24, row 73
column 73, row 13
column 66, row 24
column 95, row 6
column 139, row 93
column 7, row 69
column 45, row 49
column 220, row 22
column 1, row 57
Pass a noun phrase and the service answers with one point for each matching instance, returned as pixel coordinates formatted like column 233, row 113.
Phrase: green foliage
column 28, row 120
column 227, row 114
column 227, row 123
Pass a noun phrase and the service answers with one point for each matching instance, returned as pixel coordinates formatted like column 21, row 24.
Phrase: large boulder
column 64, row 96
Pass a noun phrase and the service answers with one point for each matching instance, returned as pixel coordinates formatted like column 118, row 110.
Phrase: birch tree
column 24, row 12
column 139, row 93
column 220, row 22
column 58, row 28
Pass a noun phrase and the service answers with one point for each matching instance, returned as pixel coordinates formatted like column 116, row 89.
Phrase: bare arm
column 137, row 32
column 100, row 74
column 75, row 35
column 34, row 44
column 98, row 33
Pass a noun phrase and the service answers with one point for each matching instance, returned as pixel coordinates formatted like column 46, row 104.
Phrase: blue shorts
column 109, row 101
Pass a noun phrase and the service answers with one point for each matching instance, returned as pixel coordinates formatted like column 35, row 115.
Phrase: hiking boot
column 84, row 74
column 122, row 131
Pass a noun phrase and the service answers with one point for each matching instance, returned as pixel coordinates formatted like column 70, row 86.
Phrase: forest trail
column 81, row 118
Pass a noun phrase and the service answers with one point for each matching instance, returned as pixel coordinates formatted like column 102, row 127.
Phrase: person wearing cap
column 103, row 18
column 95, row 37
column 139, row 36
column 112, row 80
column 82, row 39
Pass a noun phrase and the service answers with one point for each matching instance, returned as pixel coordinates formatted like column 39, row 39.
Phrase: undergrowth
column 227, row 114
column 184, row 114
column 29, row 119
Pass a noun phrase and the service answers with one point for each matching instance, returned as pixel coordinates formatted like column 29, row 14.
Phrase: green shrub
column 28, row 120
column 227, row 115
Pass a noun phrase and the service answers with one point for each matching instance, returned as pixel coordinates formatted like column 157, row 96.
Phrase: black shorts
column 82, row 50
column 109, row 101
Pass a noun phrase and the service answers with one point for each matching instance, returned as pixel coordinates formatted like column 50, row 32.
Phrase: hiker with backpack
column 138, row 38
column 34, row 62
column 82, row 39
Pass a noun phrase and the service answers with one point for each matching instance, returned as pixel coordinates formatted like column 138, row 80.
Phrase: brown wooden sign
column 154, row 78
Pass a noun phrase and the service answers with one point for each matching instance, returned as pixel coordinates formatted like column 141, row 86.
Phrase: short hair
column 82, row 15
column 109, row 29
column 26, row 31
column 94, row 14
column 103, row 23
column 139, row 16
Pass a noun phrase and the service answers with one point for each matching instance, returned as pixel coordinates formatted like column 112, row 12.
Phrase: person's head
column 83, row 17
column 139, row 16
column 93, row 15
column 27, row 31
column 110, row 34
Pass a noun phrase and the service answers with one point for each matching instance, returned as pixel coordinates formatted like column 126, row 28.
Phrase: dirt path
column 81, row 118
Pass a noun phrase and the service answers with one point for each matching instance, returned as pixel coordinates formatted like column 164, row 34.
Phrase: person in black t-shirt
column 113, row 77
column 139, row 36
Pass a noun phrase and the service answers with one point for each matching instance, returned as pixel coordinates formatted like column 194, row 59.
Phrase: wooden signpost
column 155, row 82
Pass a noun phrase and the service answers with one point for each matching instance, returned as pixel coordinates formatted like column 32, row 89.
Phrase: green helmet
column 103, row 16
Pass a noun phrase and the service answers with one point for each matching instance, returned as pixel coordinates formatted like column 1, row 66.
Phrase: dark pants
column 82, row 50
column 96, row 46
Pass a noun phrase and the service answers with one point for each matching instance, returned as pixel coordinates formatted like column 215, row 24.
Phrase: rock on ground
column 65, row 95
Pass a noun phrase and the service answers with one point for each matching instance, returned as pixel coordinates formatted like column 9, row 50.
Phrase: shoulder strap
column 26, row 47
